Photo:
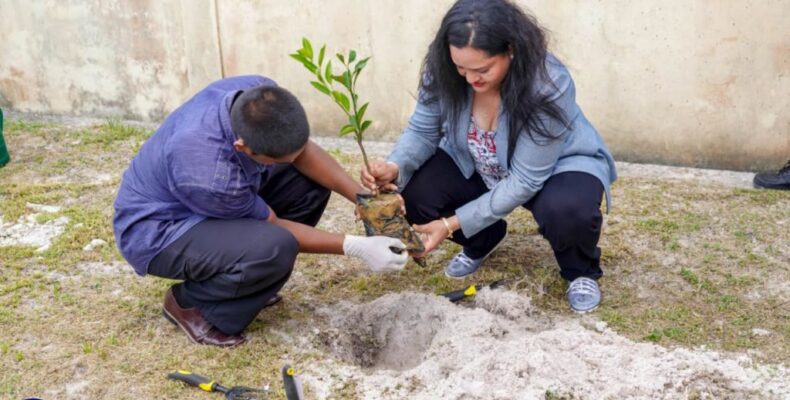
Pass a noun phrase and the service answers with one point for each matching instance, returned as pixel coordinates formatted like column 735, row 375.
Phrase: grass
column 685, row 265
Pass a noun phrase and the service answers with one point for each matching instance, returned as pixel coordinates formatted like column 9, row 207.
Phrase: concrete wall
column 688, row 82
column 128, row 59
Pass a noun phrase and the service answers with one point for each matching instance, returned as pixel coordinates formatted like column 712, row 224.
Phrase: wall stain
column 11, row 89
column 781, row 59
column 720, row 93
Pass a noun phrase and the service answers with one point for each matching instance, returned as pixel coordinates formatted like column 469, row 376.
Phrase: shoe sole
column 584, row 311
column 481, row 265
column 769, row 187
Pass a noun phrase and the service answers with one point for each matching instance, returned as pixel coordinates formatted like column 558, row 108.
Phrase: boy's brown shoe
column 197, row 329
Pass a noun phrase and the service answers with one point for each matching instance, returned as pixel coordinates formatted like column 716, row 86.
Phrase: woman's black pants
column 567, row 210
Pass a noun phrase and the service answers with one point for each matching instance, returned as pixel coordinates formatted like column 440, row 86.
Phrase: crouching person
column 223, row 196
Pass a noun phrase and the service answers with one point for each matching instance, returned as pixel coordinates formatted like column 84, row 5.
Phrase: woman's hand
column 432, row 235
column 380, row 176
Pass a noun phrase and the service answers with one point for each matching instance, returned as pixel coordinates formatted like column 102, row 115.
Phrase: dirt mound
column 417, row 346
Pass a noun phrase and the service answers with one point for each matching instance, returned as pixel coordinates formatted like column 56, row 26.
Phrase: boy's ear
column 240, row 147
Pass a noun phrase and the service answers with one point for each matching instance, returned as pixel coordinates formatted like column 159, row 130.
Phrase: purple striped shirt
column 186, row 172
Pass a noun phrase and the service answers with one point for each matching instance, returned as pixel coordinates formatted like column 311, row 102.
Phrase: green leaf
column 307, row 63
column 346, row 130
column 308, row 48
column 328, row 73
column 361, row 112
column 341, row 99
column 365, row 125
column 341, row 58
column 344, row 79
column 298, row 57
column 361, row 64
column 321, row 55
column 352, row 120
column 321, row 87
column 352, row 55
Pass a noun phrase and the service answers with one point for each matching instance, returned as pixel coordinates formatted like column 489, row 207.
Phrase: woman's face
column 483, row 72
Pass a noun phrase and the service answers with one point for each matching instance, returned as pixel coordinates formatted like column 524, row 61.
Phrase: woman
column 496, row 127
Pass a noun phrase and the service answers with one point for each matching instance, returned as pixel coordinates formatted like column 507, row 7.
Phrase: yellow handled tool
column 209, row 385
column 472, row 290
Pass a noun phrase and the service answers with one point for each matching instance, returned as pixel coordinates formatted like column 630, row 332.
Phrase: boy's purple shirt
column 186, row 172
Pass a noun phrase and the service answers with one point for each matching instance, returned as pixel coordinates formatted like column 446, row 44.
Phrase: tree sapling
column 381, row 213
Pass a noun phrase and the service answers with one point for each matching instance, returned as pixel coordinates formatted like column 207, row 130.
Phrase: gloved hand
column 375, row 252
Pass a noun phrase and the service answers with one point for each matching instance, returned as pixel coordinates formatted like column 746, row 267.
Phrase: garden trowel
column 210, row 385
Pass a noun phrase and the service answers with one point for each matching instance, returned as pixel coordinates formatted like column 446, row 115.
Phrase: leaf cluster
column 326, row 78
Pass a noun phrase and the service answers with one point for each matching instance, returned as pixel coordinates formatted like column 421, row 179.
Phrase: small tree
column 324, row 82
column 381, row 214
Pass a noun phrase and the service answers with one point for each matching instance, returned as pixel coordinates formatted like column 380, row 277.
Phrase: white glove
column 375, row 252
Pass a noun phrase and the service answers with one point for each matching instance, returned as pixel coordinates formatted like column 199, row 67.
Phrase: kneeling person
column 223, row 196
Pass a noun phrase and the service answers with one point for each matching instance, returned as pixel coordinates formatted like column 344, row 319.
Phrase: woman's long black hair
column 496, row 27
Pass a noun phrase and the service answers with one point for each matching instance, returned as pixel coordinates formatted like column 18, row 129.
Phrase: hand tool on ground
column 209, row 385
column 457, row 295
column 292, row 383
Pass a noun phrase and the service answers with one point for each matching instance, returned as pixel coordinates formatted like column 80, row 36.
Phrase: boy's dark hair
column 270, row 120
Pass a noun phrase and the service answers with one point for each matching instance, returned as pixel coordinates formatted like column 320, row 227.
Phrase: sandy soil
column 417, row 346
column 26, row 231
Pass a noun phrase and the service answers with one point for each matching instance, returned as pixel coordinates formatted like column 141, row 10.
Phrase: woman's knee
column 417, row 192
column 421, row 203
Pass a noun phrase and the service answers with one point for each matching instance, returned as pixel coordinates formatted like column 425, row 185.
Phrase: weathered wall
column 128, row 59
column 700, row 82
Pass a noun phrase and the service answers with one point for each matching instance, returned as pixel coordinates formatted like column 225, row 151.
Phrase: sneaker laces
column 586, row 287
column 463, row 259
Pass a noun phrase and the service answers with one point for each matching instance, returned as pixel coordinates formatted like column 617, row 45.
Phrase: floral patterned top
column 483, row 149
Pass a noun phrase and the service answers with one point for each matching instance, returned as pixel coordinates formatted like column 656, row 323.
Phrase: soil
column 418, row 346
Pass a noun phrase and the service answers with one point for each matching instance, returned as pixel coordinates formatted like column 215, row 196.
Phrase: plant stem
column 357, row 129
column 364, row 155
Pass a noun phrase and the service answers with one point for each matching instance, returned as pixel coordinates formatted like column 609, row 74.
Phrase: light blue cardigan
column 579, row 148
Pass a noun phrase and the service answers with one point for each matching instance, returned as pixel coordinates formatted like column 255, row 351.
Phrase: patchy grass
column 685, row 265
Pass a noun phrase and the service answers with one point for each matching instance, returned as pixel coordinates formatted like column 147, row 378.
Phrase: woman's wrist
column 449, row 229
column 451, row 224
column 395, row 168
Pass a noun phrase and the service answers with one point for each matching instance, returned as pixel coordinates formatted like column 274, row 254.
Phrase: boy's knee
column 273, row 254
column 285, row 249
